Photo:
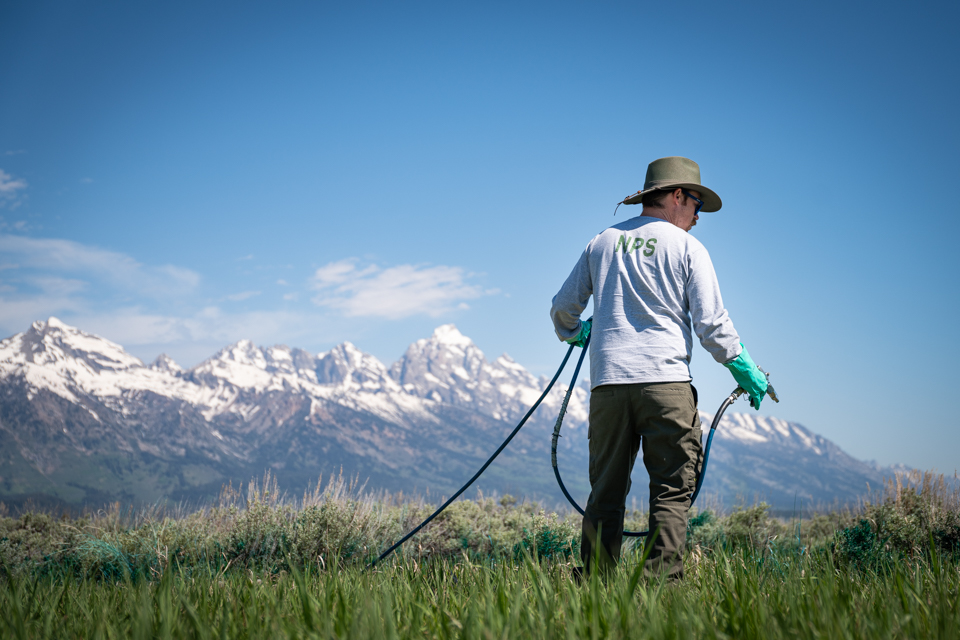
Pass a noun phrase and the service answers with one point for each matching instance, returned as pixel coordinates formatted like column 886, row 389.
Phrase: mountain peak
column 51, row 323
column 242, row 352
column 449, row 334
column 346, row 364
column 347, row 347
column 55, row 341
column 166, row 363
column 42, row 327
column 248, row 366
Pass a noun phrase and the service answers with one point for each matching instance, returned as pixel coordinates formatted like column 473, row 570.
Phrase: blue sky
column 178, row 176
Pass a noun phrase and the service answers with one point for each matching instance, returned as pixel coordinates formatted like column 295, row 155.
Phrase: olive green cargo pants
column 662, row 417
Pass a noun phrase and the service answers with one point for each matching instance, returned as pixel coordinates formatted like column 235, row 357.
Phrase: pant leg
column 613, row 451
column 672, row 454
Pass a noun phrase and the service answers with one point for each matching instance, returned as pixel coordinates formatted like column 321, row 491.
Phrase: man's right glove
column 581, row 339
column 748, row 375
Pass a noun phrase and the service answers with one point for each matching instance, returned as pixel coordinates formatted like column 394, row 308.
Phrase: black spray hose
column 489, row 460
column 556, row 436
column 556, row 430
column 713, row 428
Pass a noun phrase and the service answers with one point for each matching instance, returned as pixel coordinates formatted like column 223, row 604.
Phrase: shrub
column 337, row 524
column 916, row 515
column 549, row 538
column 858, row 546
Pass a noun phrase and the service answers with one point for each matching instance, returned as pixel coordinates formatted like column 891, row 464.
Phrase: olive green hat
column 676, row 171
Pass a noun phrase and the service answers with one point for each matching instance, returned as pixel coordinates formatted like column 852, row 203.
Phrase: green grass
column 729, row 595
column 258, row 566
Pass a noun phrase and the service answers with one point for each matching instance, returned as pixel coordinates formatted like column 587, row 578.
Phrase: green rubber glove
column 748, row 376
column 581, row 339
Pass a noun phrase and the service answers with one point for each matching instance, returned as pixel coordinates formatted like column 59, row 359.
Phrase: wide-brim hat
column 673, row 172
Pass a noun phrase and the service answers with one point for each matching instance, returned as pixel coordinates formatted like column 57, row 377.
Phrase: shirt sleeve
column 711, row 322
column 572, row 299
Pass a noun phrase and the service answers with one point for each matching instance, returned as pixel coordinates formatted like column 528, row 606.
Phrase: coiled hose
column 556, row 435
column 563, row 410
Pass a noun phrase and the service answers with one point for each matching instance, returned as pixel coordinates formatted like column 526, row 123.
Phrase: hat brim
column 711, row 201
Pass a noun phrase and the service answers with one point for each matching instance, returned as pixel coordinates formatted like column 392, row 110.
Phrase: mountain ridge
column 81, row 419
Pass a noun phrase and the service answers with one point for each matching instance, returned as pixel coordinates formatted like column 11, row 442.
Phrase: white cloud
column 54, row 285
column 10, row 185
column 51, row 277
column 152, row 308
column 342, row 272
column 18, row 312
column 243, row 295
column 134, row 327
column 10, row 189
column 51, row 255
column 394, row 292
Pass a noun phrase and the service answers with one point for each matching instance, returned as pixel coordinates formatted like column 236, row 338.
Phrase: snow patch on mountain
column 71, row 363
column 748, row 429
column 449, row 368
column 167, row 364
column 345, row 365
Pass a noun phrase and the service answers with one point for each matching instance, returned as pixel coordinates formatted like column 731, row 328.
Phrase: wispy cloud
column 153, row 308
column 57, row 286
column 135, row 326
column 43, row 277
column 392, row 292
column 17, row 311
column 51, row 255
column 243, row 295
column 10, row 189
column 188, row 337
column 10, row 185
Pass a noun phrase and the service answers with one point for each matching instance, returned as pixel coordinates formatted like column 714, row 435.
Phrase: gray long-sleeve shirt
column 649, row 280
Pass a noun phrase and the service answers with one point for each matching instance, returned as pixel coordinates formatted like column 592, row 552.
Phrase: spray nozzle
column 770, row 391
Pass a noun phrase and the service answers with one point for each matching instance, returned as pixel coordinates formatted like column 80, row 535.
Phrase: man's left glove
column 581, row 339
column 748, row 376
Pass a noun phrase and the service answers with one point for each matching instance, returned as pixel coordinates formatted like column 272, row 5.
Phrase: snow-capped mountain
column 449, row 368
column 81, row 420
column 785, row 463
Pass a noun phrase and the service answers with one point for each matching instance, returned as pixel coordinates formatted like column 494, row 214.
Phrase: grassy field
column 256, row 566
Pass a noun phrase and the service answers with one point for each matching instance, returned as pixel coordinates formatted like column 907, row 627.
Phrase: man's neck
column 660, row 214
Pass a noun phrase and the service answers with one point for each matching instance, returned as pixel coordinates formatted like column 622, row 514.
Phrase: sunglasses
column 695, row 199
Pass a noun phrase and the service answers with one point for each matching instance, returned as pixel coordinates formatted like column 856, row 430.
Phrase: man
column 651, row 282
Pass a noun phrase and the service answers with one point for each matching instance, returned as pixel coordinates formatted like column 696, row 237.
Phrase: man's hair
column 655, row 199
